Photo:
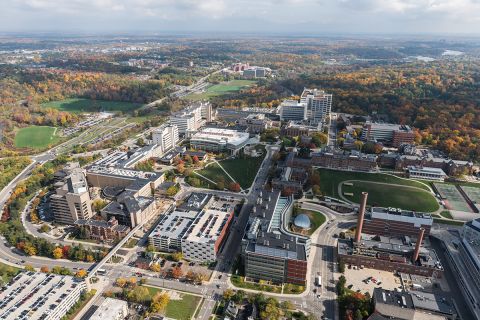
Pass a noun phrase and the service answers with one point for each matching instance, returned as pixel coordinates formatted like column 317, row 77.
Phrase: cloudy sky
column 259, row 16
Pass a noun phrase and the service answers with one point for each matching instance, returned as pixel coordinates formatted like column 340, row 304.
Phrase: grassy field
column 316, row 219
column 243, row 170
column 221, row 89
column 182, row 309
column 382, row 195
column 78, row 105
column 8, row 272
column 37, row 137
column 330, row 179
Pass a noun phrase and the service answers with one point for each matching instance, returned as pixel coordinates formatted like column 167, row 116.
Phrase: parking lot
column 376, row 279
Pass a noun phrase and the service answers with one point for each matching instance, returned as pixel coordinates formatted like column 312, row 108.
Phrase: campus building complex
column 166, row 137
column 100, row 230
column 269, row 250
column 39, row 296
column 197, row 228
column 193, row 117
column 388, row 133
column 71, row 200
column 219, row 140
column 344, row 160
column 236, row 114
column 256, row 123
column 388, row 253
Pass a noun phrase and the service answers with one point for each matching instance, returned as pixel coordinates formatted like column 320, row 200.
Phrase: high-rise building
column 319, row 105
column 71, row 200
column 165, row 136
column 293, row 110
column 193, row 117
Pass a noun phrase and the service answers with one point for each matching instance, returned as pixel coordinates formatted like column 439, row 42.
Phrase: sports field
column 472, row 193
column 79, row 105
column 389, row 195
column 221, row 89
column 454, row 199
column 37, row 137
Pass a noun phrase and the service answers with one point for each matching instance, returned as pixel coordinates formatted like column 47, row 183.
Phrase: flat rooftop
column 381, row 212
column 126, row 173
column 110, row 309
column 219, row 135
column 32, row 295
column 388, row 126
column 209, row 223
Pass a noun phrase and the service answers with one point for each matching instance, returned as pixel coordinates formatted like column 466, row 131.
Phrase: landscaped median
column 240, row 282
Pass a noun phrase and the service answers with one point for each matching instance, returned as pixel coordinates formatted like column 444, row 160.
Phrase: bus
column 101, row 271
column 318, row 281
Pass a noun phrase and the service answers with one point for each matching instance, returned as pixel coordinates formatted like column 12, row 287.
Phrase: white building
column 111, row 309
column 197, row 228
column 166, row 136
column 39, row 296
column 426, row 173
column 219, row 140
column 293, row 110
column 193, row 117
column 319, row 105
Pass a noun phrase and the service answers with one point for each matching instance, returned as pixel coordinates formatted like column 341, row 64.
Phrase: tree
column 195, row 159
column 180, row 168
column 341, row 267
column 176, row 272
column 150, row 248
column 57, row 253
column 316, row 190
column 271, row 310
column 234, row 187
column 140, row 142
column 159, row 302
column 188, row 159
column 29, row 268
column 82, row 273
column 99, row 204
column 176, row 256
column 358, row 315
column 30, row 249
column 121, row 282
column 44, row 269
column 155, row 267
column 358, row 144
column 44, row 228
column 171, row 191
column 287, row 305
column 228, row 294
column 139, row 294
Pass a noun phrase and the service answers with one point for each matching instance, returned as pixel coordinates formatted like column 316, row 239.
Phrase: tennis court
column 472, row 193
column 453, row 198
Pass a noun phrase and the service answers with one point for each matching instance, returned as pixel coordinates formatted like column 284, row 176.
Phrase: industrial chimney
column 418, row 244
column 361, row 215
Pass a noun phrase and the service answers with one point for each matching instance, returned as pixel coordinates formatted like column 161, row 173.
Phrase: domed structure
column 302, row 221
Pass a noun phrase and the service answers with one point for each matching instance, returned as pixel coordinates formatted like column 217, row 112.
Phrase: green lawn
column 316, row 219
column 382, row 195
column 37, row 137
column 8, row 272
column 221, row 89
column 182, row 309
column 330, row 179
column 446, row 214
column 79, row 105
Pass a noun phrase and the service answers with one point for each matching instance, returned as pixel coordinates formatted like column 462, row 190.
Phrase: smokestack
column 361, row 215
column 418, row 244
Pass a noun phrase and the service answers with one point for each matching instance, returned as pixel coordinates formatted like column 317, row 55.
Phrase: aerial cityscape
column 203, row 160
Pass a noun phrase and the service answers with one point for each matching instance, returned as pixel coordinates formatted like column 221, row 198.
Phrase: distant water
column 452, row 53
column 424, row 59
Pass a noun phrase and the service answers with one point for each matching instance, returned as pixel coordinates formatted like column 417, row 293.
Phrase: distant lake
column 452, row 53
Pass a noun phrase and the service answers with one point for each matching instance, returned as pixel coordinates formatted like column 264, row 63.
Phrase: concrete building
column 388, row 133
column 166, row 136
column 139, row 155
column 292, row 110
column 193, row 117
column 295, row 129
column 197, row 228
column 428, row 160
column 256, row 123
column 39, row 296
column 236, row 114
column 396, row 222
column 426, row 173
column 111, row 309
column 130, row 209
column 464, row 258
column 412, row 305
column 219, row 140
column 71, row 200
column 101, row 230
column 269, row 250
column 319, row 105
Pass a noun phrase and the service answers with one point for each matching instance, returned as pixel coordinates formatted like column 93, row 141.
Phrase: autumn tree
column 234, row 187
column 57, row 253
column 176, row 272
column 159, row 302
column 155, row 267
column 82, row 273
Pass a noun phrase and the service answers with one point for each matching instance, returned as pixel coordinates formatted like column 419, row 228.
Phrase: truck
column 318, row 281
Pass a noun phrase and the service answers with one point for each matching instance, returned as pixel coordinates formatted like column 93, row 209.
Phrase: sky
column 243, row 16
